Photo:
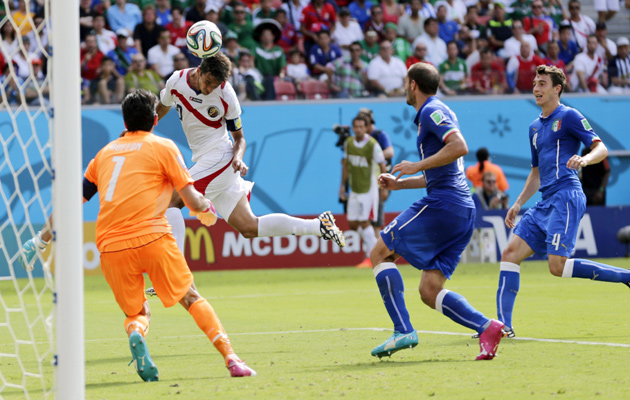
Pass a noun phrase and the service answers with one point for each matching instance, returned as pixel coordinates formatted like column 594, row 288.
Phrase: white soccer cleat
column 329, row 229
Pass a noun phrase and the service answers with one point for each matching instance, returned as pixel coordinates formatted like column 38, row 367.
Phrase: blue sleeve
column 532, row 148
column 439, row 122
column 383, row 140
column 580, row 128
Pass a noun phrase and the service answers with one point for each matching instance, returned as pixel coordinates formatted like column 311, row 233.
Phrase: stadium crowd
column 323, row 48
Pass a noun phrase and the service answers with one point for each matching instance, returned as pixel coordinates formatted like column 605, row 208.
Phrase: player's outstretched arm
column 199, row 206
column 390, row 182
column 161, row 110
column 532, row 184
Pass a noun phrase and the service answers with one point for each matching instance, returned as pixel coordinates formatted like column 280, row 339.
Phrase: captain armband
column 234, row 124
column 89, row 189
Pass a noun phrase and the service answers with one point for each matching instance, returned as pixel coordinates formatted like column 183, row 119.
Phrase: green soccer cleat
column 397, row 341
column 142, row 361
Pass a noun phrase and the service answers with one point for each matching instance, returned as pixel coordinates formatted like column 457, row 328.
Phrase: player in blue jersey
column 431, row 234
column 551, row 226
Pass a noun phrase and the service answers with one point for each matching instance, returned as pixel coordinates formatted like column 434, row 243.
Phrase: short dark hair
column 178, row 8
column 556, row 75
column 429, row 20
column 218, row 66
column 281, row 11
column 361, row 117
column 425, row 75
column 564, row 27
column 138, row 110
column 323, row 31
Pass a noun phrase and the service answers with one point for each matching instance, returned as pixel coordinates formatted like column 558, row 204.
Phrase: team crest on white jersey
column 534, row 140
column 213, row 112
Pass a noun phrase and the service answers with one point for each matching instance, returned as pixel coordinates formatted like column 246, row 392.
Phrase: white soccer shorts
column 606, row 5
column 363, row 206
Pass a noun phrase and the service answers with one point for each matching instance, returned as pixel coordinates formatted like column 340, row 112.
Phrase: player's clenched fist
column 387, row 181
column 240, row 166
column 207, row 217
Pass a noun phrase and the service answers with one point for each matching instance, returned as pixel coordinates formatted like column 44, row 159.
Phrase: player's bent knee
column 428, row 295
column 556, row 266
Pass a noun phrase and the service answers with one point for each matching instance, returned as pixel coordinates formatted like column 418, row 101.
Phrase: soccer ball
column 204, row 39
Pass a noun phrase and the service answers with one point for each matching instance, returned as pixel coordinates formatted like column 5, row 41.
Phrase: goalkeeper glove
column 208, row 217
column 29, row 251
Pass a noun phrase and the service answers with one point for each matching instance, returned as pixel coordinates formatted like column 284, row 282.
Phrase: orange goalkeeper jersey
column 135, row 176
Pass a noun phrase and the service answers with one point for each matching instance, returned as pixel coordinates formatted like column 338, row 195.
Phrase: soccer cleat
column 238, row 368
column 396, row 342
column 367, row 263
column 329, row 230
column 150, row 292
column 142, row 361
column 507, row 333
column 489, row 340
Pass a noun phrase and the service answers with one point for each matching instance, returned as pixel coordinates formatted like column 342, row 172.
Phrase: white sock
column 369, row 238
column 176, row 219
column 282, row 225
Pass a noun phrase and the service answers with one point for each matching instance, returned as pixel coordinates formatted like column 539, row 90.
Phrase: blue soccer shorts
column 429, row 237
column 551, row 226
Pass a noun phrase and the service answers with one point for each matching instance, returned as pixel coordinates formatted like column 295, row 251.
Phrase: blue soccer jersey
column 553, row 141
column 446, row 185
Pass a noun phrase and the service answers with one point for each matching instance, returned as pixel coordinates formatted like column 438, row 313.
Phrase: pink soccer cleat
column 489, row 340
column 238, row 368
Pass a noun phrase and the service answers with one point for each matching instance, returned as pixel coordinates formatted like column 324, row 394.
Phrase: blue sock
column 587, row 269
column 509, row 282
column 457, row 308
column 392, row 290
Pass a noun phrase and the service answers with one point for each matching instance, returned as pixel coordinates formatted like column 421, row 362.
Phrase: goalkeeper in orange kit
column 135, row 176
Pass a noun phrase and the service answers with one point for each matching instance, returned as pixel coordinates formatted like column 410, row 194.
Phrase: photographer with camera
column 360, row 155
column 489, row 197
column 388, row 152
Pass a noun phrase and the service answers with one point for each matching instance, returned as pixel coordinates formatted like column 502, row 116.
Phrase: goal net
column 32, row 174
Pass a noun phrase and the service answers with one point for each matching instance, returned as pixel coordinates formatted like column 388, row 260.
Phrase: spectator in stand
column 265, row 11
column 315, row 17
column 581, row 25
column 375, row 23
column 411, row 25
column 160, row 56
column 293, row 9
column 348, row 74
column 537, row 24
column 391, row 11
column 11, row 84
column 180, row 62
column 487, row 75
column 512, row 46
column 198, row 12
column 553, row 51
column 436, row 48
column 455, row 10
column 269, row 58
column 419, row 55
column 9, row 41
column 91, row 59
column 521, row 69
column 386, row 74
column 370, row 46
column 35, row 86
column 520, row 9
column 105, row 38
column 123, row 15
column 139, row 77
column 588, row 73
column 556, row 11
column 568, row 47
column 619, row 68
column 86, row 18
column 289, row 39
column 466, row 43
column 471, row 21
column 347, row 31
column 606, row 48
column 39, row 39
column 321, row 54
column 500, row 28
column 606, row 9
column 123, row 53
column 402, row 48
column 447, row 29
column 250, row 77
column 594, row 179
column 231, row 47
column 147, row 33
column 243, row 28
column 178, row 28
column 484, row 10
column 212, row 15
column 109, row 87
column 20, row 17
column 23, row 59
column 453, row 72
column 296, row 69
column 489, row 197
column 475, row 173
column 360, row 10
column 163, row 12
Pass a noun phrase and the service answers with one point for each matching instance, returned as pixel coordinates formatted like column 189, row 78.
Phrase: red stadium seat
column 285, row 90
column 314, row 89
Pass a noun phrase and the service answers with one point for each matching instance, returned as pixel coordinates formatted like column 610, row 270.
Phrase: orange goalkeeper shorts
column 123, row 263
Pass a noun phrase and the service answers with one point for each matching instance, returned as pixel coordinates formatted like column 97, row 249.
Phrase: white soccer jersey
column 203, row 117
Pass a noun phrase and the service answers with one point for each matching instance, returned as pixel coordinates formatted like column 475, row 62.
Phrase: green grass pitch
column 309, row 333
